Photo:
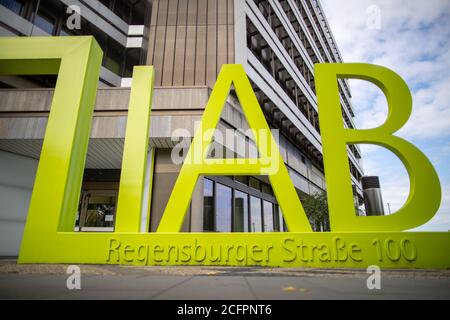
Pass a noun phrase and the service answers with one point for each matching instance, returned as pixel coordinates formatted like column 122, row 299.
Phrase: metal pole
column 34, row 17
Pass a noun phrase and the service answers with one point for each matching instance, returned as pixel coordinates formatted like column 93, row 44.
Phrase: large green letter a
column 269, row 163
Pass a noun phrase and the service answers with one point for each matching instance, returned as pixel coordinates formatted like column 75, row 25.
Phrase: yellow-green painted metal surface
column 354, row 241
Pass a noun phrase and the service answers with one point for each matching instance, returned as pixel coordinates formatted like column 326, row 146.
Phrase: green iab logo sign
column 354, row 241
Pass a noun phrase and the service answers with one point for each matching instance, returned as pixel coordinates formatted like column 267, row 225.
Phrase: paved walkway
column 126, row 282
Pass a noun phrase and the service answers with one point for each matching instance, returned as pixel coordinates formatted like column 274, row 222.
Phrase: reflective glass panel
column 240, row 220
column 255, row 211
column 223, row 208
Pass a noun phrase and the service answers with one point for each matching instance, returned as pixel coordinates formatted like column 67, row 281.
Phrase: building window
column 276, row 219
column 265, row 188
column 240, row 218
column 122, row 10
column 255, row 214
column 113, row 57
column 107, row 3
column 97, row 210
column 231, row 206
column 282, row 223
column 16, row 6
column 241, row 179
column 223, row 208
column 268, row 216
column 132, row 56
column 45, row 22
column 254, row 183
column 208, row 205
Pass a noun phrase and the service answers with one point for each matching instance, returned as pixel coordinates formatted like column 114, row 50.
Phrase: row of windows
column 295, row 55
column 131, row 12
column 255, row 184
column 290, row 132
column 354, row 171
column 16, row 6
column 227, row 209
column 276, row 25
column 315, row 37
column 262, row 50
column 305, row 17
column 52, row 19
column 293, row 20
column 259, row 46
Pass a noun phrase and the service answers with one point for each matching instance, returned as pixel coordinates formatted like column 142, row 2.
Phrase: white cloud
column 414, row 42
column 441, row 221
column 431, row 115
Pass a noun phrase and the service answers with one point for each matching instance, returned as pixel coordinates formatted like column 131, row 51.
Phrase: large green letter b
column 425, row 191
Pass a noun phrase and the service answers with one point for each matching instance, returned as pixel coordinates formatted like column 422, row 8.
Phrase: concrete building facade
column 187, row 41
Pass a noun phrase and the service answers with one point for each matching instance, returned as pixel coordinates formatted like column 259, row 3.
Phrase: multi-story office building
column 187, row 41
column 118, row 27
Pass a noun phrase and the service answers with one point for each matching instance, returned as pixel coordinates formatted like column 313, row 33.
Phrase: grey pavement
column 215, row 283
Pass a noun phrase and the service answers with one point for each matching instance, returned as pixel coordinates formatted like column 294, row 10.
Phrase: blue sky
column 413, row 39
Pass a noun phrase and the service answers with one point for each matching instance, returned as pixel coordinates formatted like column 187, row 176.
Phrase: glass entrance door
column 97, row 211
